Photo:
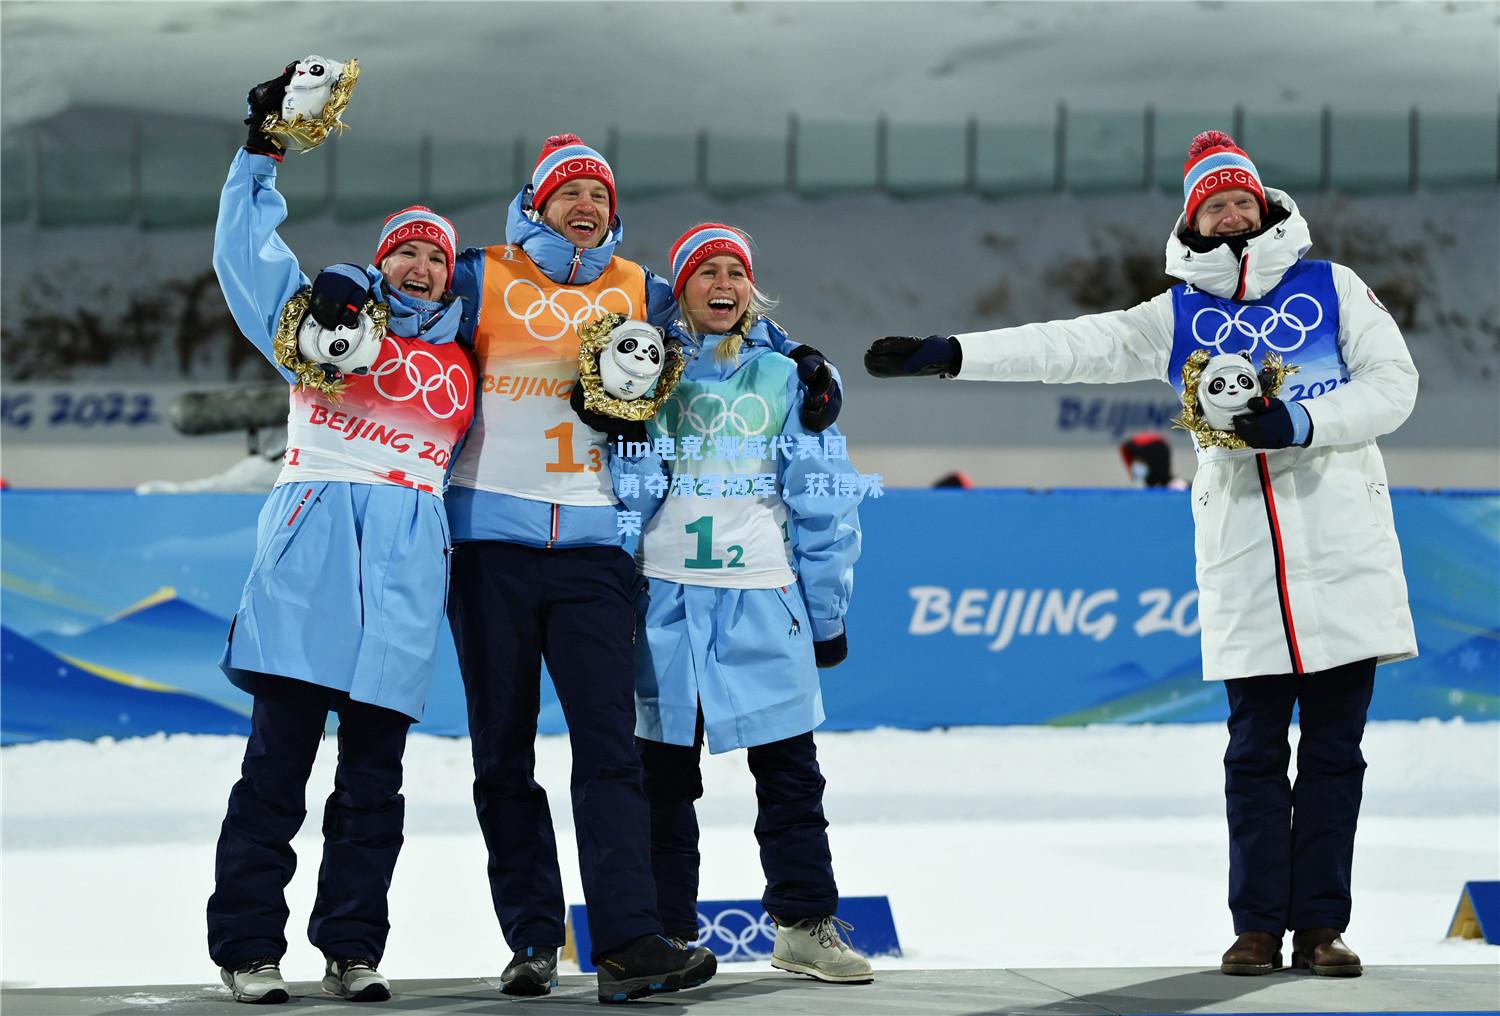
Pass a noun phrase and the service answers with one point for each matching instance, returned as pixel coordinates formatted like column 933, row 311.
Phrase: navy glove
column 831, row 652
column 616, row 428
column 1271, row 423
column 265, row 100
column 904, row 356
column 824, row 398
column 338, row 293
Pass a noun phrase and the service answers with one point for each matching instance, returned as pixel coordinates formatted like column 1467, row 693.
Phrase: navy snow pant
column 510, row 607
column 362, row 822
column 789, row 826
column 1291, row 846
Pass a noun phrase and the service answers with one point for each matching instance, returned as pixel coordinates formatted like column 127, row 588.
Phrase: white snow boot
column 257, row 982
column 817, row 947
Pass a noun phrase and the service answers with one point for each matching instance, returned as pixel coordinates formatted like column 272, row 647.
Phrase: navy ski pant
column 1291, row 846
column 789, row 826
column 362, row 821
column 511, row 606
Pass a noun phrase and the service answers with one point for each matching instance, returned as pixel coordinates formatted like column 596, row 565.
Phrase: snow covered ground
column 1008, row 847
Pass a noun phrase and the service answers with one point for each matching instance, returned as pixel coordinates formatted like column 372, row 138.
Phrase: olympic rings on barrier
column 452, row 379
column 569, row 308
column 1242, row 324
column 747, row 936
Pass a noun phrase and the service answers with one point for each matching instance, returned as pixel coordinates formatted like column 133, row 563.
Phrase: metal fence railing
column 160, row 177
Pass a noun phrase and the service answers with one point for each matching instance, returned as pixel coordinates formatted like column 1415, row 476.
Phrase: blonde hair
column 761, row 305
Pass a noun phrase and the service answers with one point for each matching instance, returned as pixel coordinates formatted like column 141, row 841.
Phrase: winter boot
column 357, row 980
column 1253, row 953
column 531, row 971
column 257, row 982
column 652, row 965
column 1322, row 950
column 817, row 947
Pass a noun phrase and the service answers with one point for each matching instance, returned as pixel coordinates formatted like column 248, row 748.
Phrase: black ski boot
column 652, row 965
column 532, row 971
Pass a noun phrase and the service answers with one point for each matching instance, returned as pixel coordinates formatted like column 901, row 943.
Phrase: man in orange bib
column 538, row 573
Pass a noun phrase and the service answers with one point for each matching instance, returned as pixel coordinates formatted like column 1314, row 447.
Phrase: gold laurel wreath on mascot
column 302, row 134
column 593, row 337
column 1273, row 374
column 312, row 375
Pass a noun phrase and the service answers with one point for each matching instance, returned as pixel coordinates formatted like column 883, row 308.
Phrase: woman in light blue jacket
column 343, row 608
column 750, row 531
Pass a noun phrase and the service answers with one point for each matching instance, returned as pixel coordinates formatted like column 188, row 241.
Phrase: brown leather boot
column 1254, row 952
column 1322, row 951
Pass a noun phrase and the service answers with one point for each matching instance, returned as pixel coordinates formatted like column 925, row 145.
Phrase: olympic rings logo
column 564, row 308
column 708, row 414
column 1242, row 325
column 402, row 378
column 744, row 935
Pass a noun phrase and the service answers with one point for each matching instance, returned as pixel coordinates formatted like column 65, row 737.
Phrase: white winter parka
column 1298, row 565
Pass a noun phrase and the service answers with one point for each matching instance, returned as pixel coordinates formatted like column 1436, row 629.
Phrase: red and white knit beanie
column 418, row 223
column 704, row 241
column 1215, row 164
column 565, row 157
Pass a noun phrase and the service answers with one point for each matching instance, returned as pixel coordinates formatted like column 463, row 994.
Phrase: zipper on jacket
column 552, row 533
column 1278, row 553
column 1239, row 292
column 577, row 260
column 300, row 504
column 796, row 627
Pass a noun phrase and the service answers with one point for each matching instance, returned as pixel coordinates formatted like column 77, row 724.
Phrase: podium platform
column 1074, row 991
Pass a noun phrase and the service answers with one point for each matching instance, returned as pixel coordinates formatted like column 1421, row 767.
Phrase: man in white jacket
column 1301, row 592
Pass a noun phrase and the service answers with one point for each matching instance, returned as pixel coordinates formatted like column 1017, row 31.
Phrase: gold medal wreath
column 593, row 337
column 1272, row 367
column 284, row 345
column 303, row 134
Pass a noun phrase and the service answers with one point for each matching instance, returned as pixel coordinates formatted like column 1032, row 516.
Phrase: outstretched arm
column 1122, row 345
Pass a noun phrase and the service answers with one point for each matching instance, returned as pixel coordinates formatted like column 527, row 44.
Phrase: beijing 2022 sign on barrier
column 970, row 607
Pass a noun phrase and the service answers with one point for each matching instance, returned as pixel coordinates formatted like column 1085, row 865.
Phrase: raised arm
column 1118, row 346
column 257, row 271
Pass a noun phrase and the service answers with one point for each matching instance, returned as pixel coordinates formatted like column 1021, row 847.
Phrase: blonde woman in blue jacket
column 750, row 531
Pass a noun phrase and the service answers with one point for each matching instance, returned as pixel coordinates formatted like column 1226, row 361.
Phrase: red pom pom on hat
column 1209, row 139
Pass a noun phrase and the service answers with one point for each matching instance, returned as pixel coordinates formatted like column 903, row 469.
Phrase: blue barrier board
column 1014, row 607
column 740, row 931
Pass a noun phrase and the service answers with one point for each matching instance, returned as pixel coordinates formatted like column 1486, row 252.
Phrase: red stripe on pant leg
column 1279, row 554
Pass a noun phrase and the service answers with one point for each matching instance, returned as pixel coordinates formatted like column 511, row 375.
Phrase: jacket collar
column 1257, row 271
column 558, row 259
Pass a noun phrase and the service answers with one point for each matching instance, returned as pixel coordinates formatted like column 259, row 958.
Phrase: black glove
column 338, row 293
column 831, row 652
column 824, row 398
column 616, row 428
column 265, row 100
column 1269, row 423
column 904, row 356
